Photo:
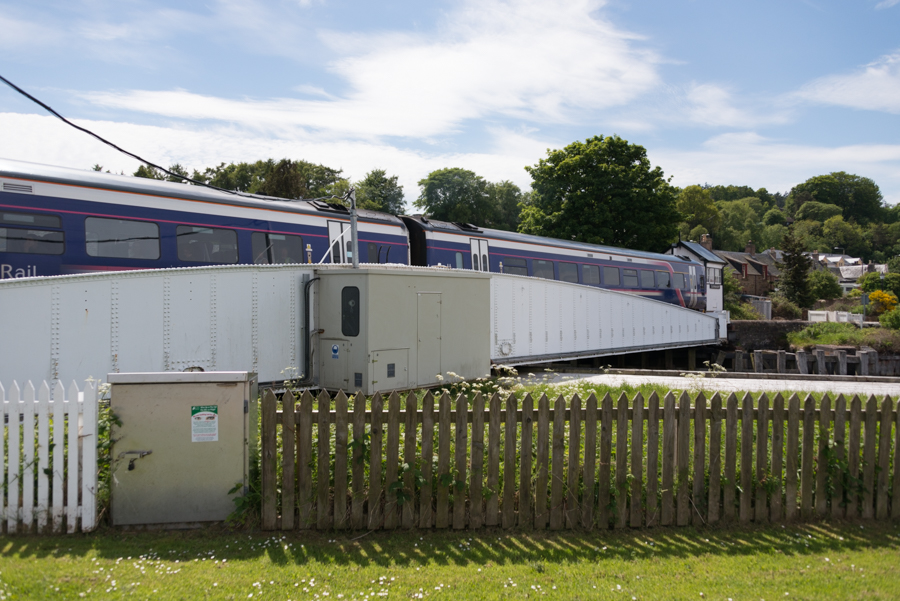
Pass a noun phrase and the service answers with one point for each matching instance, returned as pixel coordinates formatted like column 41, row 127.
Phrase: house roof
column 755, row 262
column 698, row 249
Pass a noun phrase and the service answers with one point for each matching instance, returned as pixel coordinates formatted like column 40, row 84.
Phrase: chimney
column 706, row 241
column 815, row 257
column 751, row 248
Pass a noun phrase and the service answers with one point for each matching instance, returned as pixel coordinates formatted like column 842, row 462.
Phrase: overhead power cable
column 50, row 110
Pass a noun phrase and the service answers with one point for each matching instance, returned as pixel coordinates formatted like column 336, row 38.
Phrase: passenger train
column 57, row 221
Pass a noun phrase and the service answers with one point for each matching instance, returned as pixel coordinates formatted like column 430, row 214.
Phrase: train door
column 693, row 279
column 339, row 240
column 481, row 259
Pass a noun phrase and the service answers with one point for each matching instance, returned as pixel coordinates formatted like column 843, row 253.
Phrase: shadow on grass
column 484, row 547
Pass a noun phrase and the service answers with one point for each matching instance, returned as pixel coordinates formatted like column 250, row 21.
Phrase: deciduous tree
column 602, row 191
column 378, row 192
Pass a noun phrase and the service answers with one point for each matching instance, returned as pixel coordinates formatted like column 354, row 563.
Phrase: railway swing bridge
column 375, row 328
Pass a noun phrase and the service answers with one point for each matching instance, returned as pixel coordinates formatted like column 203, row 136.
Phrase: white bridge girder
column 535, row 320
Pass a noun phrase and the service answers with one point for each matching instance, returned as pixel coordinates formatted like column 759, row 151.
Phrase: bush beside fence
column 48, row 459
column 574, row 464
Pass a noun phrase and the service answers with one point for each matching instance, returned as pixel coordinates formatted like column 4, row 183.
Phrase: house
column 757, row 272
column 713, row 265
column 846, row 269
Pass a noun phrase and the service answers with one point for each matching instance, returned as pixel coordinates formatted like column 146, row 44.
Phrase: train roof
column 467, row 228
column 138, row 185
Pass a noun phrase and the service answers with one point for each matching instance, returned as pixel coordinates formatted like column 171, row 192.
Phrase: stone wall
column 752, row 335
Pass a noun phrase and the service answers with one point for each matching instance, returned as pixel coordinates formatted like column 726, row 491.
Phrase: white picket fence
column 48, row 455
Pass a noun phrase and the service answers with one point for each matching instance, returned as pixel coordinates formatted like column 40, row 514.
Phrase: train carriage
column 60, row 221
column 464, row 246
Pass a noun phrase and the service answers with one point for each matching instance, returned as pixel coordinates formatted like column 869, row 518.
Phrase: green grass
column 844, row 561
column 882, row 340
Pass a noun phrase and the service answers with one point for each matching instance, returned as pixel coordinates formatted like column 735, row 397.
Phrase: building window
column 515, row 266
column 206, row 244
column 542, row 269
column 568, row 272
column 591, row 274
column 713, row 276
column 121, row 238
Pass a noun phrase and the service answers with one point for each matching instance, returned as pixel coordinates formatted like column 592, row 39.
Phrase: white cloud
column 527, row 60
column 750, row 159
column 876, row 87
column 886, row 4
column 25, row 139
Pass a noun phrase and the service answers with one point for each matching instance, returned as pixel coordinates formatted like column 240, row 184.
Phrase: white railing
column 48, row 455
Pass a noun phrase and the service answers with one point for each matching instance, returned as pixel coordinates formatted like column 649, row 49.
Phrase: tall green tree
column 859, row 197
column 282, row 179
column 602, row 191
column 697, row 209
column 456, row 194
column 148, row 172
column 794, row 282
column 506, row 198
column 378, row 192
column 824, row 285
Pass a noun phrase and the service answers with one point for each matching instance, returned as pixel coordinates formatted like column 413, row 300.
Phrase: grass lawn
column 820, row 561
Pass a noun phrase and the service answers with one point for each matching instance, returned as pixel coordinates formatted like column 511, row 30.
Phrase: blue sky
column 764, row 93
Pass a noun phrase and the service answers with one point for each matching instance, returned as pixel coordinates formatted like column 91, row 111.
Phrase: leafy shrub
column 824, row 285
column 891, row 319
column 782, row 308
column 882, row 302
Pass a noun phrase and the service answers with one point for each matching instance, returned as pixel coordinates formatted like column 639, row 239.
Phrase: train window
column 647, row 280
column 372, row 253
column 274, row 249
column 663, row 280
column 206, row 244
column 591, row 274
column 611, row 276
column 542, row 269
column 475, row 262
column 515, row 266
column 568, row 272
column 350, row 311
column 459, row 261
column 31, row 220
column 630, row 278
column 121, row 238
column 679, row 281
column 32, row 242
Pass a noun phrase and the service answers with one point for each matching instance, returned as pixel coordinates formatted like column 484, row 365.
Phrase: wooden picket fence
column 574, row 463
column 48, row 459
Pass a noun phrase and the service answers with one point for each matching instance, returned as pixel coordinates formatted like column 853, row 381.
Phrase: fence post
column 476, row 500
column 762, row 458
column 323, row 510
column 442, row 515
column 526, row 514
column 605, row 458
column 682, row 459
column 668, row 455
column 622, row 462
column 71, row 459
column 288, row 464
column 806, row 467
column 543, row 458
column 376, row 430
column 840, row 426
column 269, row 457
column 357, row 463
column 392, row 457
column 652, row 459
column 590, row 462
column 556, row 475
column 775, row 504
column 746, row 458
column 304, row 458
column 492, row 517
column 853, row 456
column 425, row 496
column 793, row 438
column 409, row 458
column 460, row 489
column 13, row 444
column 884, row 459
column 508, row 511
column 822, row 458
column 573, row 511
column 89, row 470
column 868, row 508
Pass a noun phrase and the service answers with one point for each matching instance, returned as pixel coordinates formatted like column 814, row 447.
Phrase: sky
column 766, row 93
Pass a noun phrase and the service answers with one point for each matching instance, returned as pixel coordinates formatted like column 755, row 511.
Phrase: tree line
column 602, row 190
